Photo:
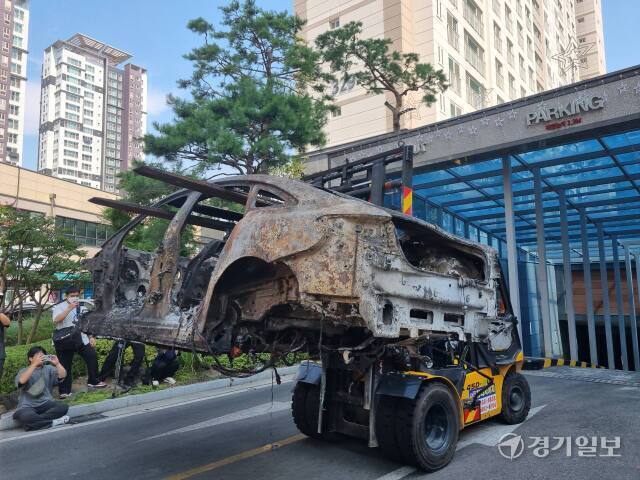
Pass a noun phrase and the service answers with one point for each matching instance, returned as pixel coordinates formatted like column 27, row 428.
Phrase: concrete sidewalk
column 168, row 394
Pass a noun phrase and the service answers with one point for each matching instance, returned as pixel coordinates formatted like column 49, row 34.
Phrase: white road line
column 66, row 428
column 398, row 474
column 483, row 434
column 256, row 411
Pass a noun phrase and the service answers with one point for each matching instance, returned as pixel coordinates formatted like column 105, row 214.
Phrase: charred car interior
column 385, row 301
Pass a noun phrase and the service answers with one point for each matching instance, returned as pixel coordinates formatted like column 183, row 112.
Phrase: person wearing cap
column 65, row 316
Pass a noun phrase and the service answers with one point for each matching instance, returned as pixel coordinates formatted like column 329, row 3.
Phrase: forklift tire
column 427, row 427
column 516, row 398
column 304, row 407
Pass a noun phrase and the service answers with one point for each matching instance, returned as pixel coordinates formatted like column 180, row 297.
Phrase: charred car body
column 413, row 325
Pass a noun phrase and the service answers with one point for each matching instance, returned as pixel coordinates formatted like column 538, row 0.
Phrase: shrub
column 17, row 359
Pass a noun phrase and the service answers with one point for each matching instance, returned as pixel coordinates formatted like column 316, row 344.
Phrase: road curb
column 7, row 422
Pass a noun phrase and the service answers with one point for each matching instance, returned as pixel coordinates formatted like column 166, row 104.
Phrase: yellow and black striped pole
column 538, row 363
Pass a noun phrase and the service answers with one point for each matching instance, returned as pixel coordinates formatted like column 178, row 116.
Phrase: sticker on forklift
column 488, row 403
column 472, row 415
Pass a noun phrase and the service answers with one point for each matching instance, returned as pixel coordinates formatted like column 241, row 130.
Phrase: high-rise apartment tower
column 93, row 113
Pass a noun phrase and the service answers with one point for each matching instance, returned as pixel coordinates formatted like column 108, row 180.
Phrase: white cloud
column 156, row 102
column 32, row 110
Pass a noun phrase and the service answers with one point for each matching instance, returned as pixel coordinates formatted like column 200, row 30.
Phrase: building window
column 452, row 30
column 473, row 53
column 497, row 39
column 454, row 110
column 475, row 92
column 499, row 74
column 454, row 76
column 85, row 233
column 473, row 15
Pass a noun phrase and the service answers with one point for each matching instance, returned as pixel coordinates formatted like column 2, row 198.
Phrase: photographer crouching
column 36, row 407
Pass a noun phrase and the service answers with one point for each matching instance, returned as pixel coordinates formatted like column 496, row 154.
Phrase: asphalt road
column 228, row 437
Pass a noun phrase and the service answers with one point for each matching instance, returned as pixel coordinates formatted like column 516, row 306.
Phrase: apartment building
column 492, row 51
column 92, row 112
column 13, row 78
column 590, row 38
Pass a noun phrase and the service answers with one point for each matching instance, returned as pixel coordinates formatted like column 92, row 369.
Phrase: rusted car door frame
column 109, row 259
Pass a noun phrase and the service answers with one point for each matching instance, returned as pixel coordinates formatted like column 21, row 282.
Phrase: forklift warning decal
column 488, row 403
column 488, row 400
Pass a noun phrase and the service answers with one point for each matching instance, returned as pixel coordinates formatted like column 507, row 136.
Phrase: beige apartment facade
column 492, row 51
column 590, row 38
column 65, row 200
column 68, row 202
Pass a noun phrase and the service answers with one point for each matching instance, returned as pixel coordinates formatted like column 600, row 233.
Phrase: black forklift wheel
column 304, row 407
column 426, row 428
column 516, row 398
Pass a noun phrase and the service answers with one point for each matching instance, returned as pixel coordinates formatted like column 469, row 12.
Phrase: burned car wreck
column 375, row 294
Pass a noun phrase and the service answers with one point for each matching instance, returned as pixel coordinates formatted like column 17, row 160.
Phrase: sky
column 154, row 32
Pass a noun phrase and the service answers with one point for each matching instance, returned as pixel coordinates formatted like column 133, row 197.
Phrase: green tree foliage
column 146, row 191
column 257, row 95
column 35, row 257
column 378, row 70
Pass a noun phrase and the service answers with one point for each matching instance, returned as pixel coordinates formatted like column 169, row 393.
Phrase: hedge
column 17, row 359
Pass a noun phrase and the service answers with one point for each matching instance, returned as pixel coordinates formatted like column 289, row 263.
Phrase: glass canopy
column 599, row 176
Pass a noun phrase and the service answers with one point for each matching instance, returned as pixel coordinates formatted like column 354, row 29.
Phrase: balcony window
column 508, row 20
column 499, row 75
column 473, row 15
column 497, row 39
column 454, row 76
column 452, row 31
column 512, row 87
column 496, row 7
column 475, row 92
column 474, row 54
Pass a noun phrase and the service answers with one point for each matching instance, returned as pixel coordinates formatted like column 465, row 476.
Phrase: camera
column 47, row 358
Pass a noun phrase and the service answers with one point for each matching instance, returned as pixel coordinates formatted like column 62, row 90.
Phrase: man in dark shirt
column 36, row 407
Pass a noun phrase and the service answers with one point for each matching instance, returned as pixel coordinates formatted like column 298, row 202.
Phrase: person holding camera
column 68, row 340
column 36, row 407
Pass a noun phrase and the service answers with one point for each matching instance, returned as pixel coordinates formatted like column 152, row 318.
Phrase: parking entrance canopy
column 599, row 177
column 551, row 179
